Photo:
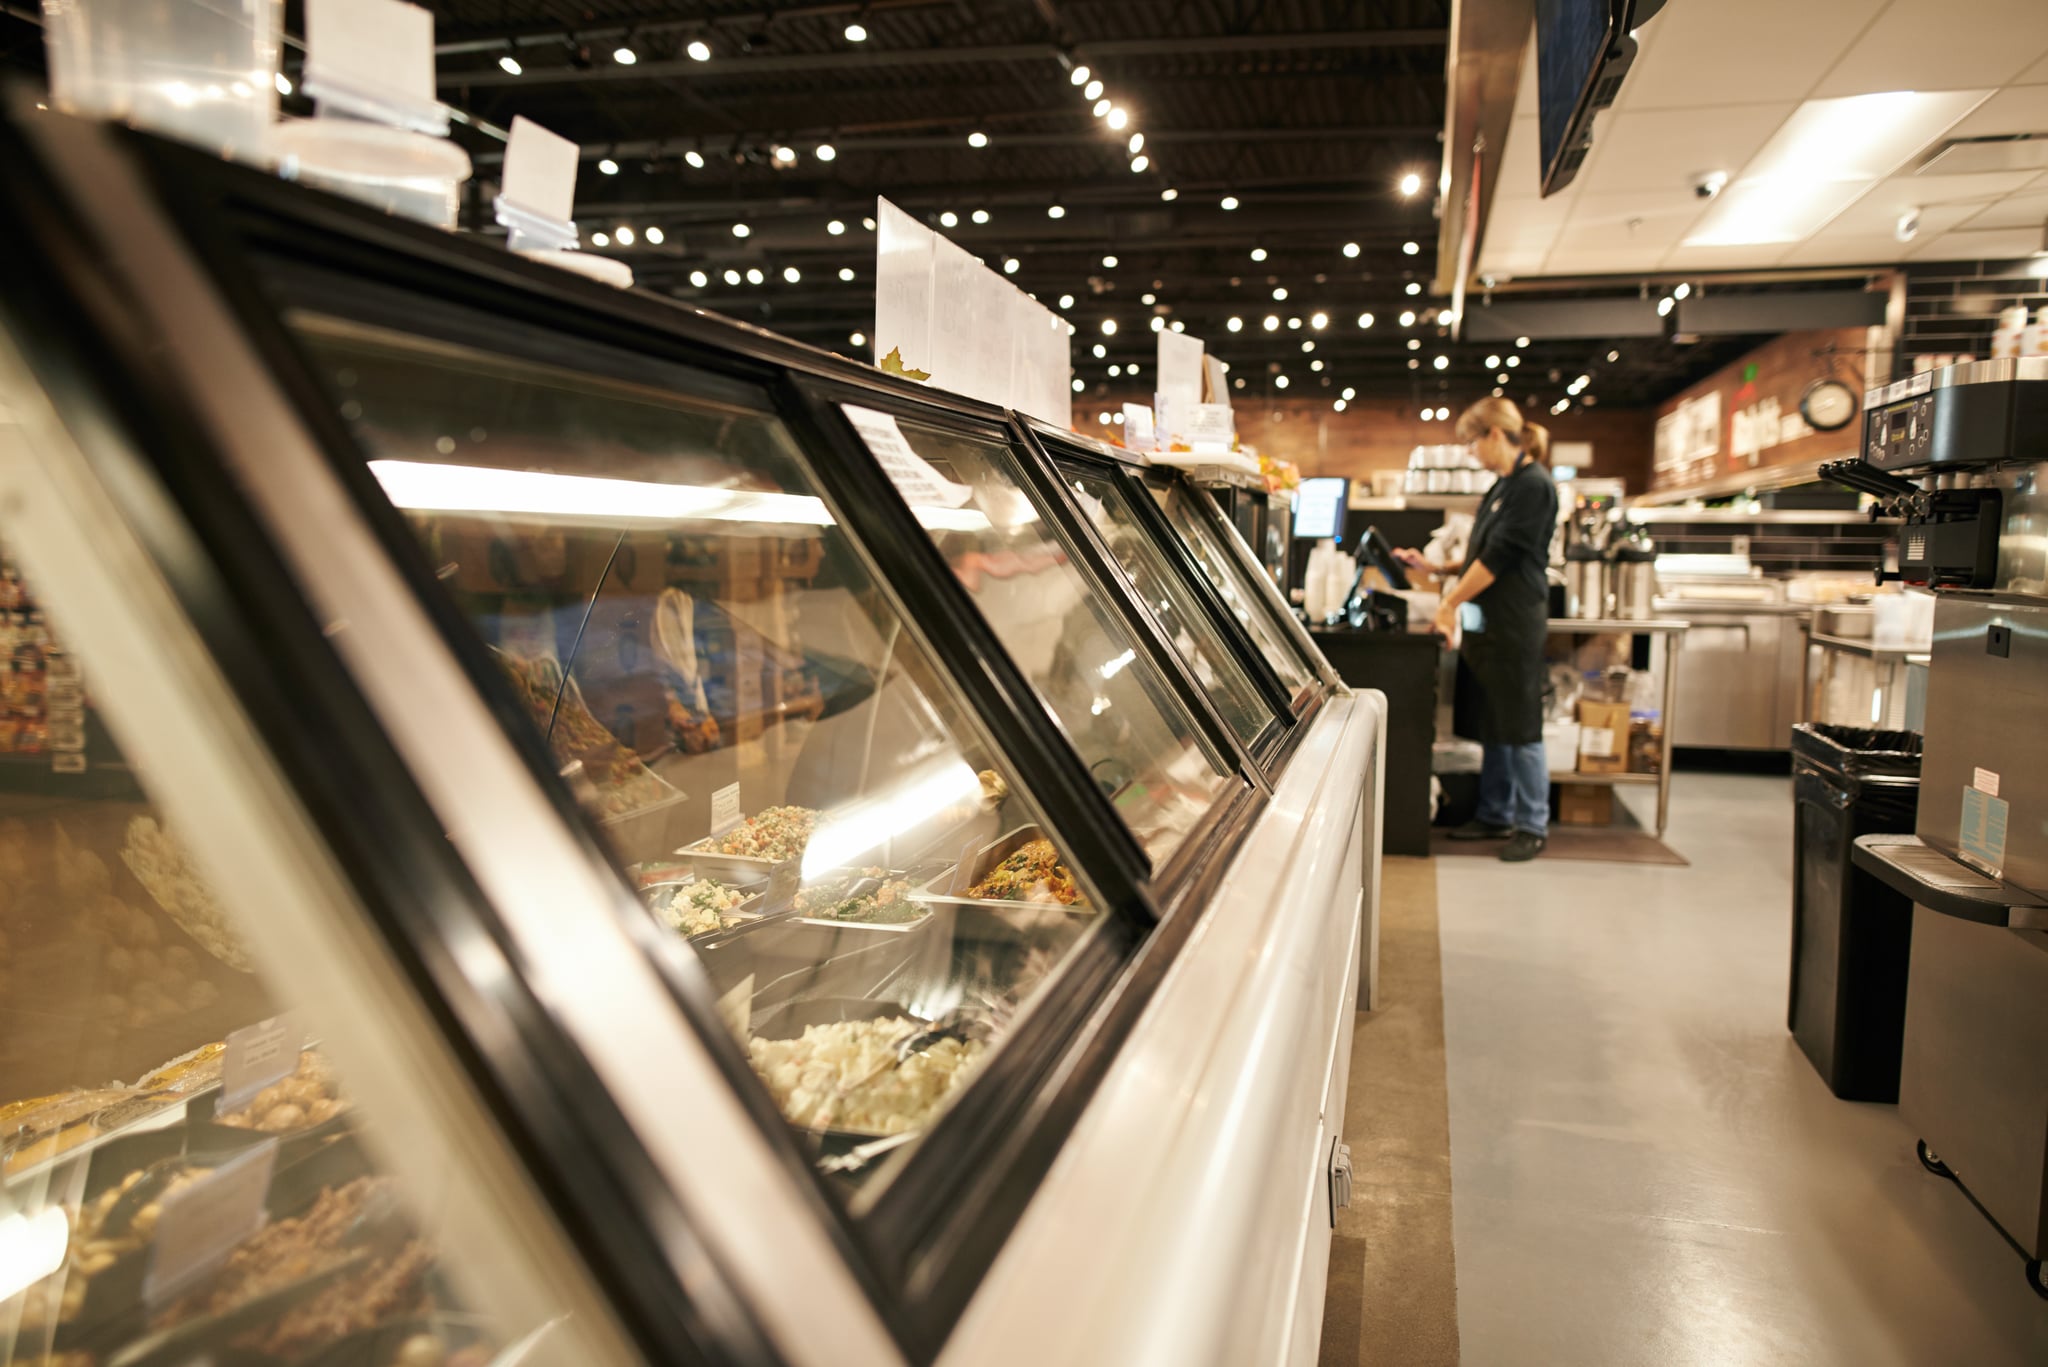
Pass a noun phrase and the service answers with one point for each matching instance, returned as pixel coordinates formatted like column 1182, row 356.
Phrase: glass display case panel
column 1240, row 593
column 182, row 1177
column 1107, row 502
column 1113, row 702
column 769, row 754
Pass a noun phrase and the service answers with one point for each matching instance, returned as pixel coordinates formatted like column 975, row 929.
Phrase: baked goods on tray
column 309, row 1097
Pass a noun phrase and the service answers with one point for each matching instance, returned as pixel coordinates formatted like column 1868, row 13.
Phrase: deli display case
column 615, row 837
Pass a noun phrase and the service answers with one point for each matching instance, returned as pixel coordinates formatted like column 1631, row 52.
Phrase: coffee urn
column 1635, row 579
column 1585, row 581
column 1961, row 456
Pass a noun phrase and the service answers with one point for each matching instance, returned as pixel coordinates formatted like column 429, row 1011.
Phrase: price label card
column 1211, row 427
column 1596, row 742
column 912, row 474
column 206, row 1220
column 256, row 1056
column 725, row 809
column 1138, row 427
column 1985, row 782
column 373, row 57
column 540, row 171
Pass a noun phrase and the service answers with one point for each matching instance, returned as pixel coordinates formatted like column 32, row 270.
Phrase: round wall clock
column 1828, row 405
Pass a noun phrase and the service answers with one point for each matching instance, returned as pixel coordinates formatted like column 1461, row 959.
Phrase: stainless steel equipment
column 1740, row 687
column 1974, row 1073
column 1585, row 582
column 1635, row 578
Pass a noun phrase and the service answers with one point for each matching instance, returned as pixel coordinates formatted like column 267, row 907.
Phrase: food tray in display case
column 648, row 832
column 995, row 918
column 738, row 870
column 751, row 909
column 792, row 1021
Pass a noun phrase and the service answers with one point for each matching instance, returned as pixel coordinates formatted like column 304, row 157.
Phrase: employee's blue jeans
column 1514, row 787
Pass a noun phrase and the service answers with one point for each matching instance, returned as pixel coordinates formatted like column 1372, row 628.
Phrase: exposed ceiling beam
column 805, row 63
column 535, row 36
column 725, row 144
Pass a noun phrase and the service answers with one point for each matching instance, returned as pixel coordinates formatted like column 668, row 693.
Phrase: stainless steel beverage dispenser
column 1962, row 455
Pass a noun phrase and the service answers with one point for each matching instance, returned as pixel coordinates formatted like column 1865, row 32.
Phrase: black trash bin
column 1851, row 935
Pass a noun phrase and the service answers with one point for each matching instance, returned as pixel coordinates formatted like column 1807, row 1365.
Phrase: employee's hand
column 1446, row 621
column 1412, row 558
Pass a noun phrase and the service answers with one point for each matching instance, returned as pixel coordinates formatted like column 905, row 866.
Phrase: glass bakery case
column 614, row 837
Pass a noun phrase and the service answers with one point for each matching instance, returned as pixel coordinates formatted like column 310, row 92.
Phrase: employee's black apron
column 1501, row 681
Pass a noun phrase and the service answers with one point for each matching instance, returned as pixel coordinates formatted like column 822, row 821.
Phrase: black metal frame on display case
column 267, row 247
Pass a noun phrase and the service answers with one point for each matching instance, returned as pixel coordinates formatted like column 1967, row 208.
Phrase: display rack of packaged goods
column 649, row 842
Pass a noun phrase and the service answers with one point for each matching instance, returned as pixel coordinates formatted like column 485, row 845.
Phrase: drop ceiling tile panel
column 1521, row 173
column 1665, row 149
column 1608, row 261
column 1877, row 249
column 1969, row 244
column 1723, row 258
column 1639, row 218
column 2016, row 109
column 1944, row 202
column 1510, row 265
column 2028, row 211
column 1703, row 53
column 1940, row 45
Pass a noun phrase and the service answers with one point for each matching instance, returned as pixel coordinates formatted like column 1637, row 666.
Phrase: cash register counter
column 1402, row 665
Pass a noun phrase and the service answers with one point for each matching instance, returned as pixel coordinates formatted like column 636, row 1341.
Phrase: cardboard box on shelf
column 1603, row 737
column 1585, row 804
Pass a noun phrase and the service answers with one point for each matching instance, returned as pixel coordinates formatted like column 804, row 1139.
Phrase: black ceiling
column 1309, row 112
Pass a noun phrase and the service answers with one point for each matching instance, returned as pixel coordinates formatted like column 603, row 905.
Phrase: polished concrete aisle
column 1645, row 1169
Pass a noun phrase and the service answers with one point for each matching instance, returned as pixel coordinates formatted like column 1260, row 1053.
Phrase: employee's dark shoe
column 1479, row 830
column 1522, row 847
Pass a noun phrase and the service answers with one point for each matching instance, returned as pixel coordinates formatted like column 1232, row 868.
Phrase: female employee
column 1501, row 672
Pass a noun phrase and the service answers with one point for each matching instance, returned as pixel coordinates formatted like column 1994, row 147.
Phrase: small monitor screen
column 1319, row 508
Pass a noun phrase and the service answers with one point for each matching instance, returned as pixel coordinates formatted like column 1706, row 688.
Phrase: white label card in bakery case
column 256, row 1056
column 912, row 474
column 207, row 1219
column 1985, row 782
column 725, row 809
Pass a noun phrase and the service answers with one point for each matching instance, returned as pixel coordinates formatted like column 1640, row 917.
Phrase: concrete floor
column 1645, row 1169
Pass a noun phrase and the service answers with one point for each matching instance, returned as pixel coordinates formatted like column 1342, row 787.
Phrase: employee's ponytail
column 1496, row 412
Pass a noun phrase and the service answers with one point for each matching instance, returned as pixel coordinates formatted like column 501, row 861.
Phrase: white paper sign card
column 1216, row 385
column 1138, row 427
column 374, row 59
column 903, row 287
column 540, row 171
column 204, row 1221
column 914, row 478
column 1211, row 428
column 725, row 809
column 1180, row 369
column 256, row 1056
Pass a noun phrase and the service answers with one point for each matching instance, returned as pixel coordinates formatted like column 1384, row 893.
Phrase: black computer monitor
column 1319, row 506
column 1375, row 547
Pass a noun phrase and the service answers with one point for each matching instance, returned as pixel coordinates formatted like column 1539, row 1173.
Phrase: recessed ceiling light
column 699, row 50
column 699, row 279
column 607, row 166
column 507, row 63
column 1258, row 253
column 949, row 219
column 1315, row 366
column 732, row 277
column 1158, row 323
column 1179, row 326
column 1414, row 287
column 1521, row 342
column 868, row 223
column 1011, row 265
column 1148, row 298
column 1139, row 163
column 1410, row 248
column 1079, row 75
column 1169, row 194
column 792, row 274
column 846, row 274
column 1339, row 405
column 826, row 151
column 655, row 236
column 1365, row 320
column 1319, row 321
column 1307, row 347
column 1493, row 363
column 1407, row 318
column 695, row 158
column 785, row 156
column 1682, row 291
column 1415, row 344
column 1514, row 361
column 1272, row 324
column 1103, row 106
column 1066, row 301
column 1294, row 322
column 1235, row 324
column 835, row 227
column 1137, row 143
column 1442, row 363
column 1279, row 382
column 977, row 139
column 1100, row 351
column 1445, row 317
column 1351, row 249
column 1055, row 211
column 1115, row 372
column 1228, row 202
column 625, row 56
column 1410, row 183
column 1109, row 263
column 1501, row 378
column 1414, row 364
column 1664, row 306
column 1279, row 293
column 1613, row 356
column 754, row 276
column 1119, row 118
column 858, row 339
column 856, row 34
column 600, row 239
column 1350, row 393
column 741, row 230
column 1109, row 327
